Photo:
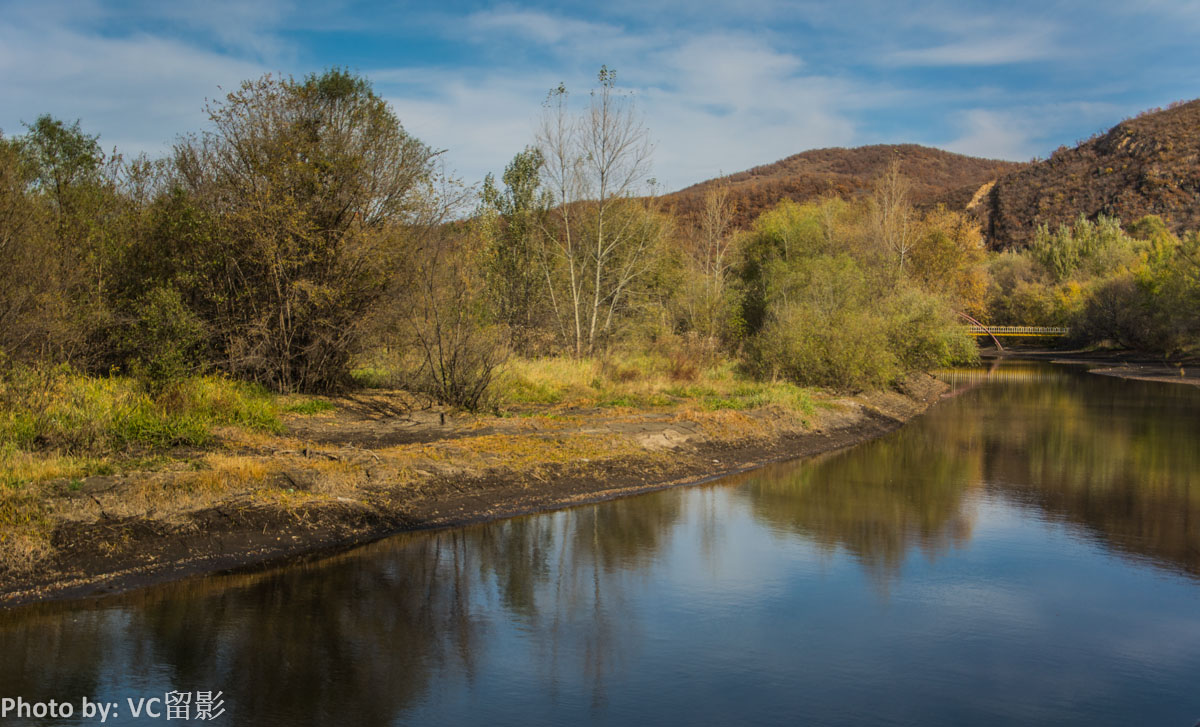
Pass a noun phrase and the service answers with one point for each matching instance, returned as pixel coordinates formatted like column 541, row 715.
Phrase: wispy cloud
column 537, row 26
column 712, row 102
column 721, row 89
column 1023, row 132
column 993, row 135
column 139, row 91
column 981, row 52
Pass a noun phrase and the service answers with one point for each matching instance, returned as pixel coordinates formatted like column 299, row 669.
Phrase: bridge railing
column 1018, row 330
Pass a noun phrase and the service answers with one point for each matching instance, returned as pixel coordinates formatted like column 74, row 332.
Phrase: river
column 1026, row 553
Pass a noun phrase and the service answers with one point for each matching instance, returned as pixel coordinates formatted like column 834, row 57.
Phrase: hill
column 937, row 176
column 1146, row 165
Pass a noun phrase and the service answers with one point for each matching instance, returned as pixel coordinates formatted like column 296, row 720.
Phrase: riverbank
column 373, row 466
column 1133, row 365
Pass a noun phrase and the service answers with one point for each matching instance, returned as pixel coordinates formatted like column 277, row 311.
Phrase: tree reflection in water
column 876, row 501
column 1116, row 458
column 559, row 603
column 359, row 638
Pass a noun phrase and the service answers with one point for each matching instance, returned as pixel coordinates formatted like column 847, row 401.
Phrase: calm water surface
column 1026, row 553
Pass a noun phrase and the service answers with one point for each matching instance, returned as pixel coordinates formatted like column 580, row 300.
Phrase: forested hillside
column 1149, row 165
column 937, row 176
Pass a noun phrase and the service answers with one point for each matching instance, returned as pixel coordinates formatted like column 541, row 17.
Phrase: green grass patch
column 62, row 411
column 373, row 377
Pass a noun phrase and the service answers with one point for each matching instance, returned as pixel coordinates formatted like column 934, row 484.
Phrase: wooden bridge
column 1023, row 331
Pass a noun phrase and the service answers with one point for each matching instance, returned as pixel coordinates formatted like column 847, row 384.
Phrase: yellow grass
column 641, row 381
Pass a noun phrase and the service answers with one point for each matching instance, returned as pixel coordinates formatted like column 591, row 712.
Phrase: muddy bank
column 1135, row 365
column 340, row 481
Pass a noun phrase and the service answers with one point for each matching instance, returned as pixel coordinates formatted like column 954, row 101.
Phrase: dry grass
column 249, row 462
column 642, row 381
column 59, row 427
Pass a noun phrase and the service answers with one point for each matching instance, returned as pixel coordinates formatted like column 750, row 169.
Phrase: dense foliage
column 1136, row 288
column 259, row 247
column 305, row 232
column 826, row 301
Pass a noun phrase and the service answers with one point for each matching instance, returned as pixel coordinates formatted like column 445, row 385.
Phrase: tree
column 21, row 235
column 947, row 259
column 458, row 353
column 514, row 219
column 893, row 218
column 70, row 225
column 288, row 223
column 593, row 165
column 709, row 248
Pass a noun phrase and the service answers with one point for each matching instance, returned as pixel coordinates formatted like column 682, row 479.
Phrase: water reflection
column 359, row 635
column 703, row 604
column 879, row 501
column 1119, row 458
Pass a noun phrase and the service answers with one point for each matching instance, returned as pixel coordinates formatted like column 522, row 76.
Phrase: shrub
column 164, row 341
column 924, row 334
column 846, row 352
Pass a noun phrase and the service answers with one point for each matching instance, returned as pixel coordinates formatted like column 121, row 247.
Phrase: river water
column 1026, row 553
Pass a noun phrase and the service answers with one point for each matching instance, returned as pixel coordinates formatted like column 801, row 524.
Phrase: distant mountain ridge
column 937, row 176
column 1146, row 165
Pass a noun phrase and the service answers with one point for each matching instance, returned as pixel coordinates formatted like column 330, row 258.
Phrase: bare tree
column 440, row 297
column 893, row 217
column 594, row 163
column 709, row 248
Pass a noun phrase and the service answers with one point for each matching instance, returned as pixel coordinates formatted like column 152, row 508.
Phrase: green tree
column 289, row 222
column 74, row 221
column 514, row 220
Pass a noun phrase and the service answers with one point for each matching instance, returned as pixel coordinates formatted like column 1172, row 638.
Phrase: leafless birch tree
column 594, row 163
column 894, row 219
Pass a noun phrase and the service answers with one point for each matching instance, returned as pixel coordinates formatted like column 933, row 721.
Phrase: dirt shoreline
column 111, row 555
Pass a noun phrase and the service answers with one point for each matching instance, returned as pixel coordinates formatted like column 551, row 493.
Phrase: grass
column 373, row 377
column 59, row 427
column 59, row 410
column 642, row 382
column 56, row 423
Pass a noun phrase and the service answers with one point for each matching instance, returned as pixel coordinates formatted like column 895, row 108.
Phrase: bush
column 845, row 352
column 1116, row 311
column 164, row 342
column 924, row 334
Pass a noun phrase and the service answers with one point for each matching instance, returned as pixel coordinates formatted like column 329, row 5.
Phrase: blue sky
column 722, row 86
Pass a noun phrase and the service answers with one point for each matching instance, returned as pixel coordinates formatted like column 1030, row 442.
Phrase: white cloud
column 1020, row 132
column 981, row 52
column 537, row 26
column 235, row 24
column 712, row 103
column 481, row 122
column 137, row 91
column 994, row 135
column 716, row 98
column 727, row 102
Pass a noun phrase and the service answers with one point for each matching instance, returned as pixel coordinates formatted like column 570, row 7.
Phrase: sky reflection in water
column 1026, row 553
